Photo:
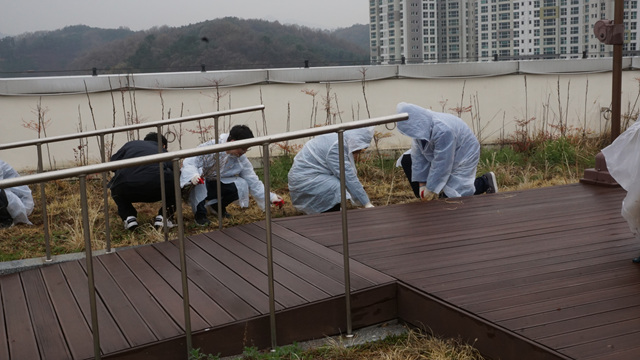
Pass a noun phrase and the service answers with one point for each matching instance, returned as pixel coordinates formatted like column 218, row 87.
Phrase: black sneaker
column 213, row 209
column 492, row 185
column 636, row 260
column 202, row 220
column 131, row 223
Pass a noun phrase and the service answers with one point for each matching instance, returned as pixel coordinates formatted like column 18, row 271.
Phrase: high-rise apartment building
column 429, row 31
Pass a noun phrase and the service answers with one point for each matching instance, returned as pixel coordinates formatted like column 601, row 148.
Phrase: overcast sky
column 19, row 16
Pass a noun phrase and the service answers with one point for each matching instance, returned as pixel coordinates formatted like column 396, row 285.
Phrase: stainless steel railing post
column 345, row 232
column 183, row 257
column 267, row 210
column 43, row 201
column 89, row 259
column 218, row 175
column 105, row 196
column 162, row 186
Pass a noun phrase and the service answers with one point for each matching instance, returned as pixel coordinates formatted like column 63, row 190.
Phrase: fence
column 175, row 157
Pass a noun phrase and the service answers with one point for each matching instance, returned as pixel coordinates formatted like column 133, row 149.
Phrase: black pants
column 125, row 194
column 229, row 195
column 479, row 183
column 5, row 218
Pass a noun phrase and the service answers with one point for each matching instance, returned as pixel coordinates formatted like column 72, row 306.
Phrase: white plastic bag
column 623, row 163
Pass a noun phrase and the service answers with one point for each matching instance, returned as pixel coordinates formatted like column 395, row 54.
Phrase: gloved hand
column 197, row 179
column 426, row 195
column 279, row 202
column 368, row 205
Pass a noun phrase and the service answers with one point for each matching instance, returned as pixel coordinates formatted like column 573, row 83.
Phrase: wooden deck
column 536, row 274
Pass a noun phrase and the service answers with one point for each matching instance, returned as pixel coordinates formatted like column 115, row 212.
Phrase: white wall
column 499, row 95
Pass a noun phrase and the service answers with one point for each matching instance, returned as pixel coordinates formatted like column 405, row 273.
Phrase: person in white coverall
column 623, row 163
column 444, row 155
column 16, row 203
column 314, row 178
column 238, row 179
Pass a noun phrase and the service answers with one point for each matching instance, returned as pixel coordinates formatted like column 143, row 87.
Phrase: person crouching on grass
column 238, row 179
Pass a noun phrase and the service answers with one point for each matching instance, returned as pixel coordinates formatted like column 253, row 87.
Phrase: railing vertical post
column 89, row 259
column 162, row 186
column 43, row 200
column 218, row 175
column 105, row 196
column 267, row 209
column 345, row 232
column 183, row 257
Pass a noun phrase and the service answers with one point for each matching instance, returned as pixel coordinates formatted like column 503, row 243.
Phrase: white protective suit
column 314, row 178
column 623, row 163
column 234, row 169
column 444, row 151
column 20, row 201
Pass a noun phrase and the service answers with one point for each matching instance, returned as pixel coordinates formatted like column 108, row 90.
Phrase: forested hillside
column 228, row 43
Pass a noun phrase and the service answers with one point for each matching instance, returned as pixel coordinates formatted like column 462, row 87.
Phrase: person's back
column 314, row 177
column 142, row 184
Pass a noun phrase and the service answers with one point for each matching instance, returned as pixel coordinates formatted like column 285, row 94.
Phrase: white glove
column 368, row 205
column 197, row 180
column 426, row 195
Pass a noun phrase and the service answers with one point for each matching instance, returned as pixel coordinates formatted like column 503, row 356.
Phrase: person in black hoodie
column 141, row 184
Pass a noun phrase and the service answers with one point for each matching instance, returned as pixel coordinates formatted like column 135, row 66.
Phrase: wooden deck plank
column 247, row 264
column 111, row 338
column 161, row 290
column 300, row 247
column 284, row 268
column 151, row 313
column 73, row 324
column 47, row 330
column 20, row 334
column 4, row 346
column 201, row 303
column 301, row 265
column 239, row 298
column 135, row 330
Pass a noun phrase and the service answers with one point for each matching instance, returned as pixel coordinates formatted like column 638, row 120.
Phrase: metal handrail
column 175, row 157
column 101, row 134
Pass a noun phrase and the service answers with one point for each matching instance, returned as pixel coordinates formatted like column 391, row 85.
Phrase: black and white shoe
column 131, row 223
column 490, row 180
column 158, row 223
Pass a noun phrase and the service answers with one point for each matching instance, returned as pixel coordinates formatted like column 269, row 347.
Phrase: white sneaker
column 131, row 223
column 158, row 223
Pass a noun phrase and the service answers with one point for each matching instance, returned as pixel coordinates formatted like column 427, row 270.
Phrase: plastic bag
column 623, row 163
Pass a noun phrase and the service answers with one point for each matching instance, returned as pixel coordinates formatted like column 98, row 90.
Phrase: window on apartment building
column 516, row 25
column 549, row 32
column 504, row 16
column 536, row 42
column 563, row 21
column 575, row 10
column 549, row 3
column 372, row 3
column 549, row 12
column 563, row 11
column 484, row 36
column 575, row 39
column 575, row 30
column 485, row 54
column 536, row 13
column 504, row 35
column 549, row 41
column 494, row 17
column 454, row 22
column 373, row 35
column 494, row 35
column 516, row 15
column 536, row 23
column 563, row 31
column 484, row 18
column 634, row 15
column 575, row 20
column 549, row 22
column 484, row 9
column 563, row 40
column 504, row 7
column 484, row 27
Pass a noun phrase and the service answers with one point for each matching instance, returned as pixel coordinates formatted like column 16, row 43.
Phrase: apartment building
column 430, row 31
